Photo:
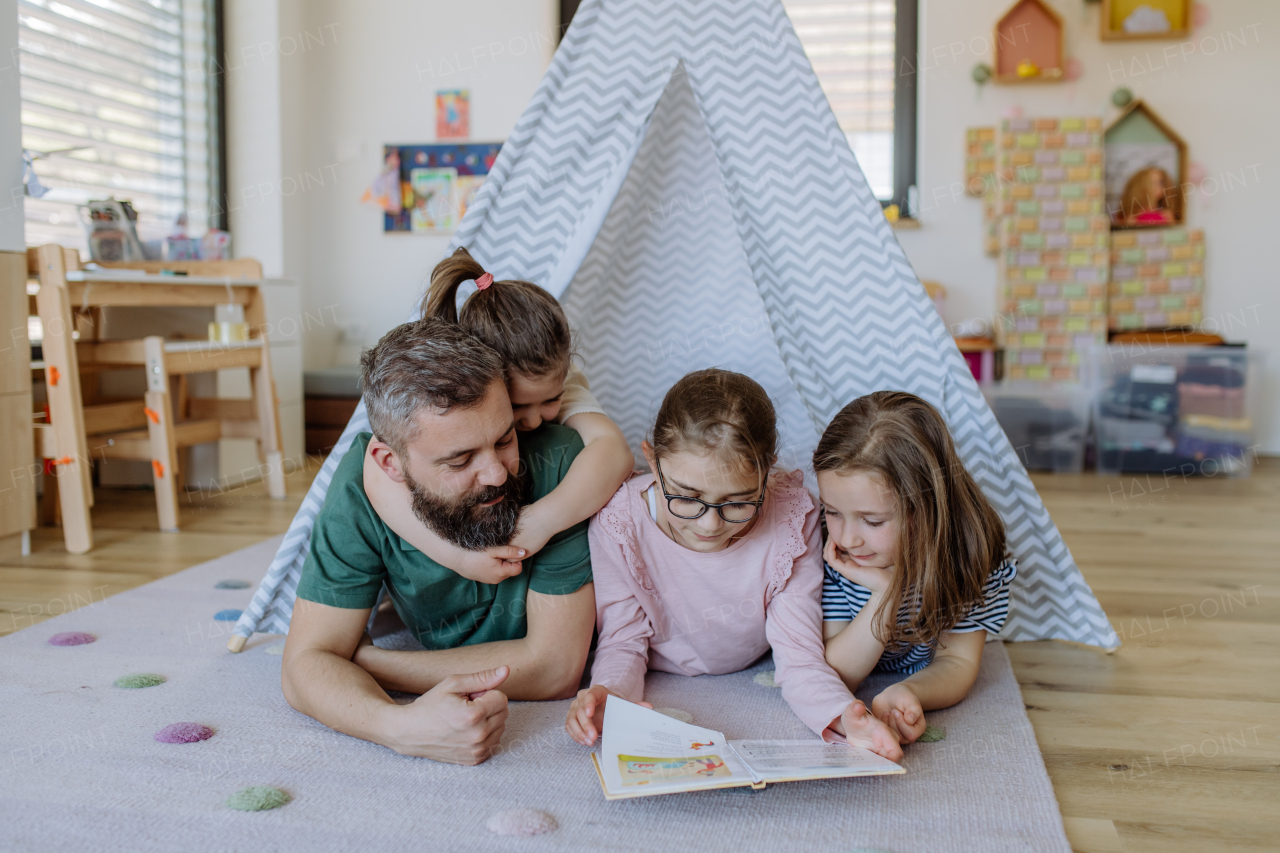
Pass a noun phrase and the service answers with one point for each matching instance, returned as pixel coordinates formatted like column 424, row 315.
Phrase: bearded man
column 442, row 424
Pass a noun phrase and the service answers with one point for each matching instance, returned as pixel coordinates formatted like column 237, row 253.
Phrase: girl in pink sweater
column 703, row 566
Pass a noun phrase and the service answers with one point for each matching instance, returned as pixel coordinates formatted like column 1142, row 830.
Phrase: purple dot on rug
column 227, row 615
column 231, row 585
column 521, row 822
column 71, row 638
column 184, row 733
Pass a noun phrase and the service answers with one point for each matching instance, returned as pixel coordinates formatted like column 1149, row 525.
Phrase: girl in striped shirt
column 916, row 573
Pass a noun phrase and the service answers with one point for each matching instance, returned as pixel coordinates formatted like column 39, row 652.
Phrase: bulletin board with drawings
column 429, row 187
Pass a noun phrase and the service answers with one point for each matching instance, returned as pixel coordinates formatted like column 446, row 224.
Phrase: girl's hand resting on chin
column 586, row 715
column 874, row 579
column 898, row 707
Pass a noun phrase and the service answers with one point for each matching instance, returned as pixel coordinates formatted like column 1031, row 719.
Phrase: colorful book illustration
column 644, row 753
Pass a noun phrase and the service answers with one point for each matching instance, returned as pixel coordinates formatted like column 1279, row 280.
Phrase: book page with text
column 779, row 760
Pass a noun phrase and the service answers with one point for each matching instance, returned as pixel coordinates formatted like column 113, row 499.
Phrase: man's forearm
column 339, row 694
column 417, row 672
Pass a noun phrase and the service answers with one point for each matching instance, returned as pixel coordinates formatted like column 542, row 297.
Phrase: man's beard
column 466, row 523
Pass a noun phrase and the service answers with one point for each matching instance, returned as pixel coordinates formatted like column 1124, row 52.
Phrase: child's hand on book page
column 861, row 728
column 899, row 708
column 585, row 722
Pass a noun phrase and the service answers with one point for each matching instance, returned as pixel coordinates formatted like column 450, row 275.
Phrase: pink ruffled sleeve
column 622, row 652
column 793, row 625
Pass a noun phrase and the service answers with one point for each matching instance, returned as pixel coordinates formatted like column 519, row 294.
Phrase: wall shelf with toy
column 1029, row 44
column 1124, row 20
column 1146, row 163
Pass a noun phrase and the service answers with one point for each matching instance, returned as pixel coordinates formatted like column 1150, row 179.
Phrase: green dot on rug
column 257, row 798
column 139, row 679
column 932, row 734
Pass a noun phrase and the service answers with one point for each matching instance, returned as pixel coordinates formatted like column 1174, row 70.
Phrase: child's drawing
column 638, row 770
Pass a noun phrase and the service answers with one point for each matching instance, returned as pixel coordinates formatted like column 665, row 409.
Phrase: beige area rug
column 80, row 768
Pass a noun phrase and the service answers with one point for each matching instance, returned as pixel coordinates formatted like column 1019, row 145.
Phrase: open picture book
column 643, row 753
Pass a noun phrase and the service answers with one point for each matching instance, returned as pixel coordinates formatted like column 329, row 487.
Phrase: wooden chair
column 81, row 429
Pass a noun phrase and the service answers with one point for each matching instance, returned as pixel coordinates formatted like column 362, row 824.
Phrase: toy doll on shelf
column 1146, row 198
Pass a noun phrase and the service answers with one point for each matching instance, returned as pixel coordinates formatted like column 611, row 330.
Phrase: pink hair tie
column 484, row 281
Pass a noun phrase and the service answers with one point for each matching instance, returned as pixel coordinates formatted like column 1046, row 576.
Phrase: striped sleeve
column 990, row 613
column 842, row 599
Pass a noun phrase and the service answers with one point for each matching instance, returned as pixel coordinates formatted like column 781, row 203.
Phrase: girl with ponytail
column 528, row 329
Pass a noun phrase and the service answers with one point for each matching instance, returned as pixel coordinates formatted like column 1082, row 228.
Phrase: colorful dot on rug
column 521, row 822
column 139, row 679
column 765, row 679
column 71, row 638
column 257, row 798
column 932, row 734
column 184, row 733
column 676, row 714
column 231, row 585
column 228, row 615
column 275, row 649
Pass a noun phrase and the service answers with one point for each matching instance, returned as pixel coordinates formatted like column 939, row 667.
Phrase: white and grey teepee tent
column 681, row 183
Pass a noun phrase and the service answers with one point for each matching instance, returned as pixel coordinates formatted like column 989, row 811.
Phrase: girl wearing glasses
column 704, row 565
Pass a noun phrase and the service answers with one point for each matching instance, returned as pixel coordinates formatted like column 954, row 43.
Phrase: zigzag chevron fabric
column 680, row 181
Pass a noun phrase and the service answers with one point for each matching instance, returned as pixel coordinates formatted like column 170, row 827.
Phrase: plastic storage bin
column 1046, row 422
column 1174, row 410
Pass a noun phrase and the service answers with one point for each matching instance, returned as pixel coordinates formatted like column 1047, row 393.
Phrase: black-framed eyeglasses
column 734, row 512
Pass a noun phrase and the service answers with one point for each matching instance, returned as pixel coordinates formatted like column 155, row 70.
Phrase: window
column 120, row 99
column 855, row 47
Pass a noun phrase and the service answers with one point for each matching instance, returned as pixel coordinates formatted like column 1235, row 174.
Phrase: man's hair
column 426, row 363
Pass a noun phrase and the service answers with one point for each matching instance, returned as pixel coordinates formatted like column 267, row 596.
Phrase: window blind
column 850, row 44
column 119, row 100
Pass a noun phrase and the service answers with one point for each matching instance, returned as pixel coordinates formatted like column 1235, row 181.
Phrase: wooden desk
column 70, row 301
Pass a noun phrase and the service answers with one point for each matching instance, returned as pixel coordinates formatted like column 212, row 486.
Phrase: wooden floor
column 1170, row 744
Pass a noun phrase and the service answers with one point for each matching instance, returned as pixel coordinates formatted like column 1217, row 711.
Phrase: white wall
column 1218, row 91
column 353, row 76
column 11, row 192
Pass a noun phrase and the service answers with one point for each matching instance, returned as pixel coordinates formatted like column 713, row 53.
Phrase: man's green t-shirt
column 353, row 552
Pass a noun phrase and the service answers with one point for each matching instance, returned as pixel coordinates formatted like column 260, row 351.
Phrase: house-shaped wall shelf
column 1144, row 19
column 1139, row 146
column 1029, row 44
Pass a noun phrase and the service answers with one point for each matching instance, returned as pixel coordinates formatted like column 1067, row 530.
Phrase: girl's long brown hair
column 524, row 323
column 950, row 538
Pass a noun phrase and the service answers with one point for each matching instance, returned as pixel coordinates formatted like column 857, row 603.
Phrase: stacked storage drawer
column 1055, row 246
column 1174, row 410
column 1157, row 279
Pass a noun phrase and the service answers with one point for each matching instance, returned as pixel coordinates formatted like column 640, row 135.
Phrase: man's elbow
column 287, row 686
column 561, row 678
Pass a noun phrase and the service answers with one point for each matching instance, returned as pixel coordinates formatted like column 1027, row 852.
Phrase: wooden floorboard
column 1172, row 743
